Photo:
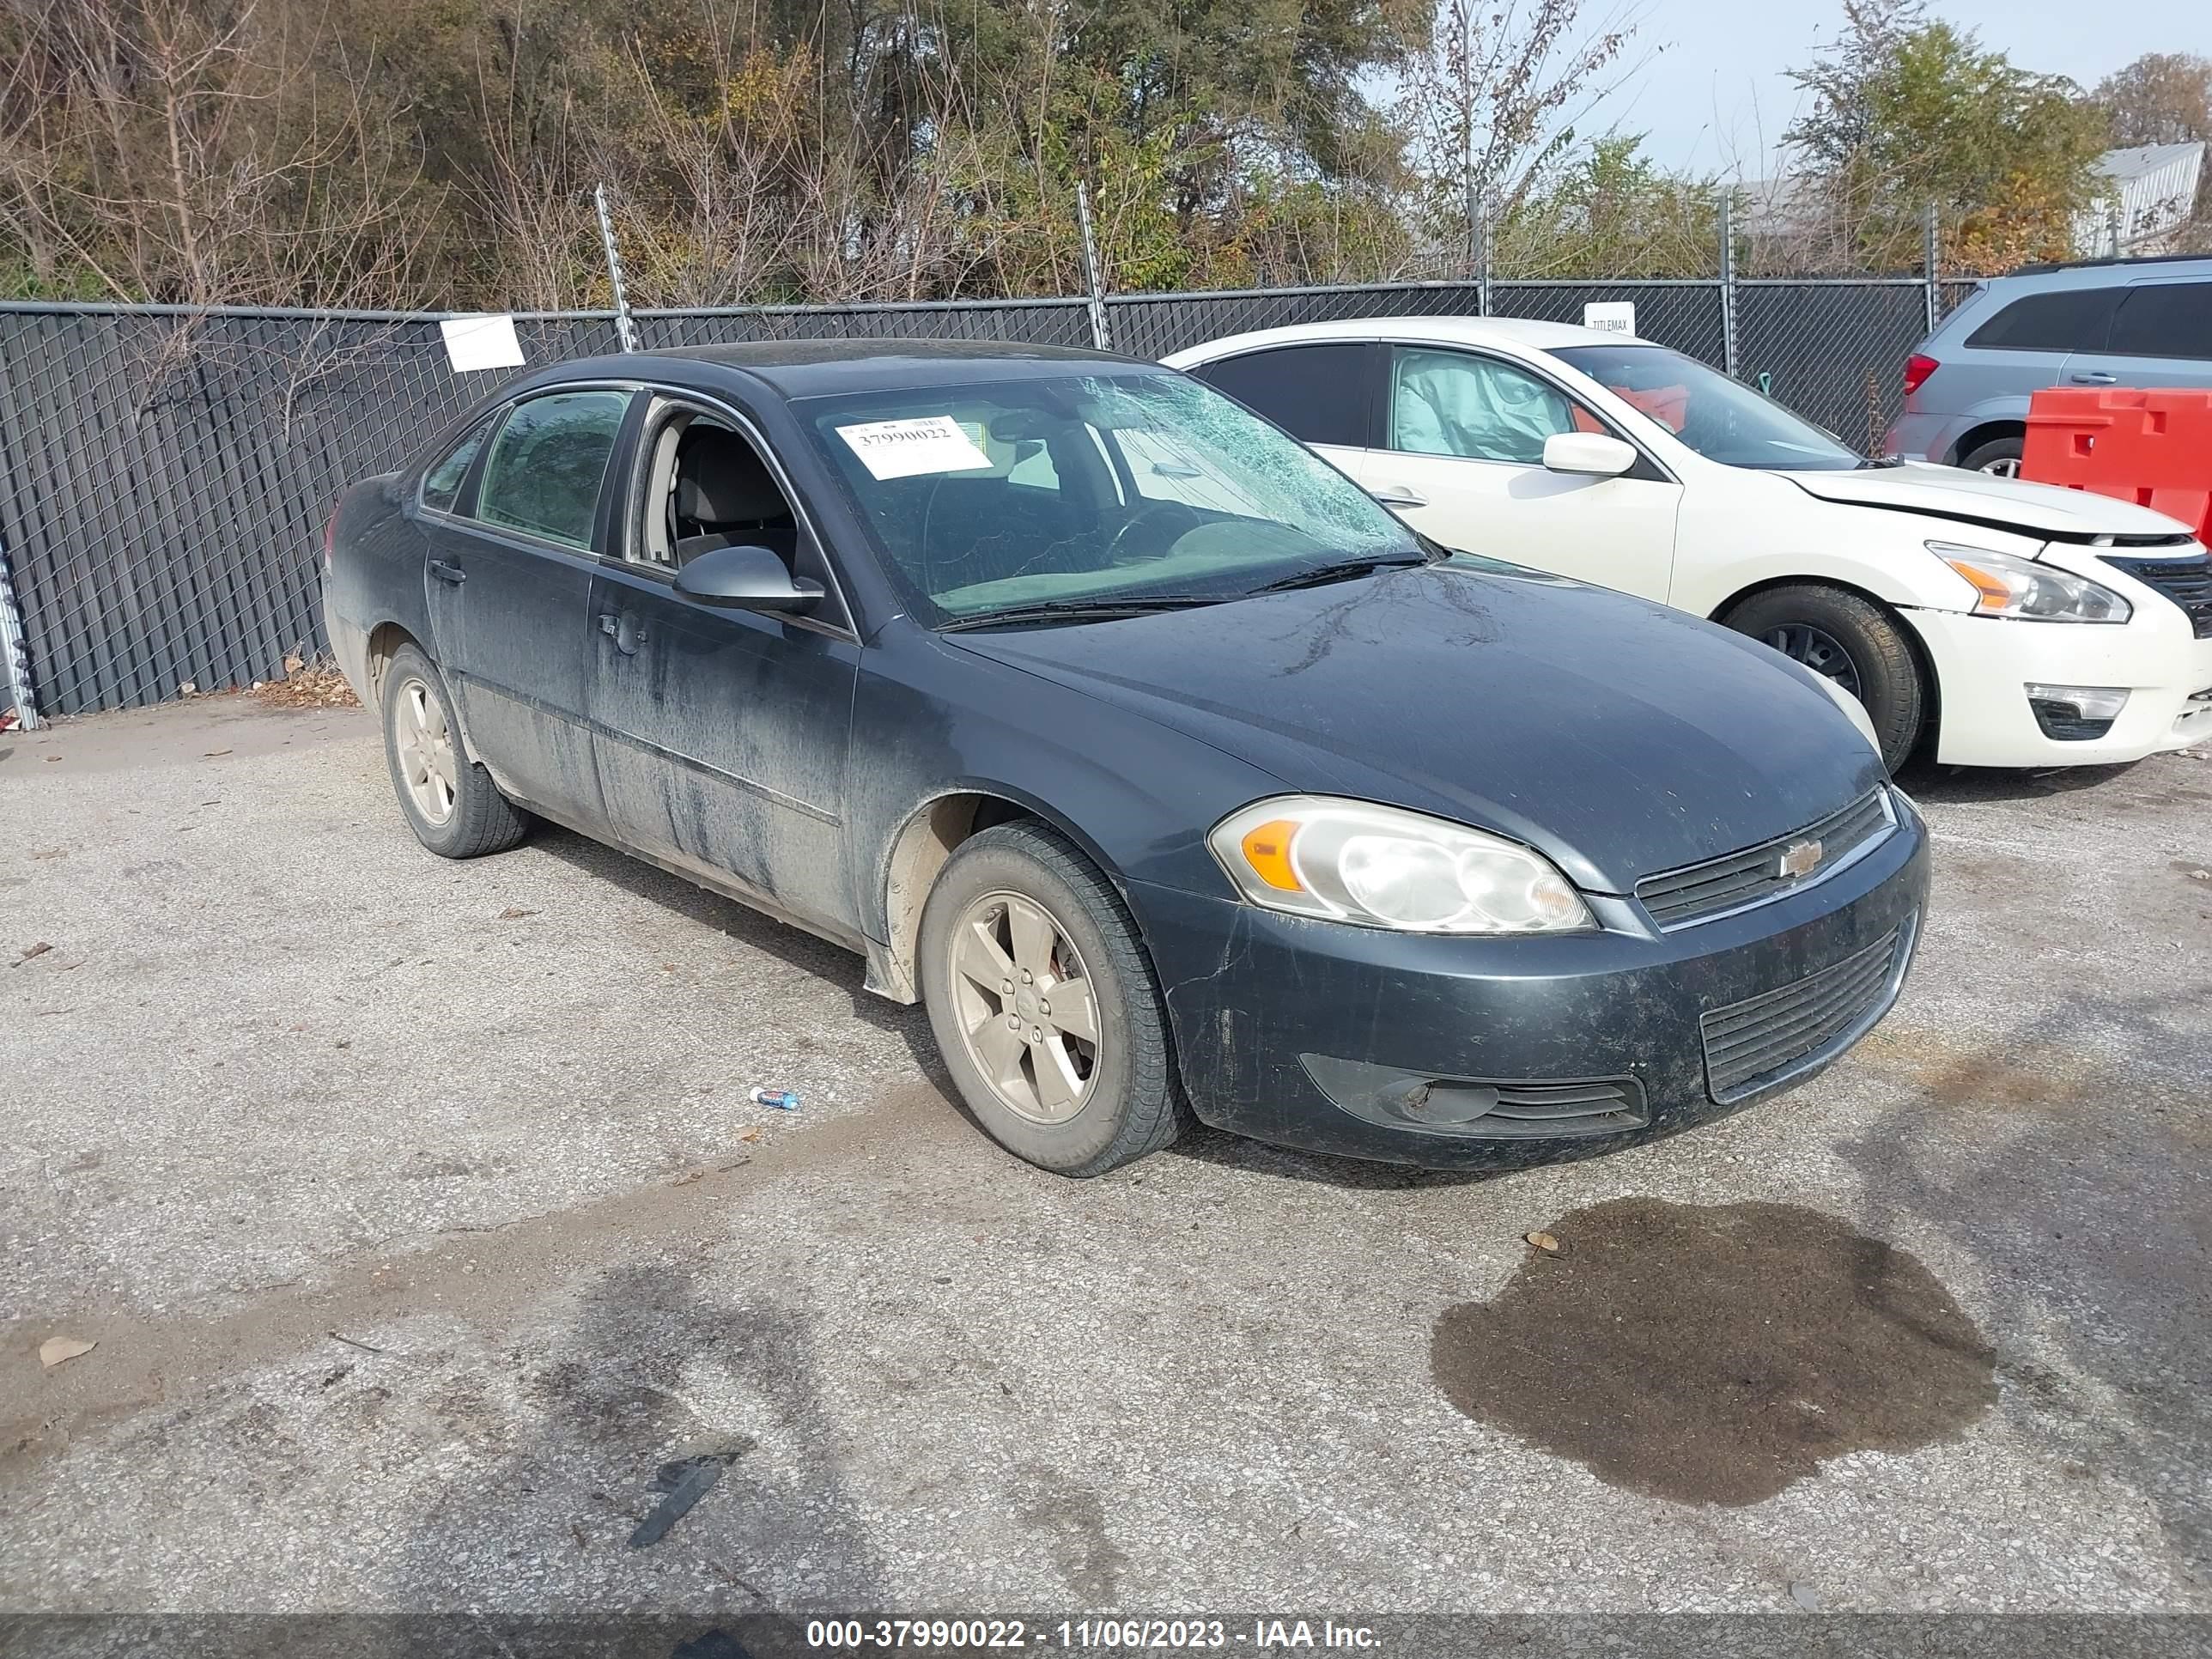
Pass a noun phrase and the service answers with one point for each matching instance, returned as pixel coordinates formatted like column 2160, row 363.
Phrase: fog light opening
column 2075, row 713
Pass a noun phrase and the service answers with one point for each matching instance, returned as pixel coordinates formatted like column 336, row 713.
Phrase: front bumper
column 1275, row 1015
column 1984, row 665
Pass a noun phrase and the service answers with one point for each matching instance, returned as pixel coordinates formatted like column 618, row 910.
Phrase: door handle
column 2094, row 377
column 627, row 632
column 1397, row 495
column 448, row 572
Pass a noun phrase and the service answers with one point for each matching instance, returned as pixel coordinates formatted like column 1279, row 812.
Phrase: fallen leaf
column 38, row 949
column 515, row 912
column 1543, row 1241
column 60, row 1350
column 50, row 759
column 51, row 853
column 215, row 754
column 751, row 1134
column 686, row 1179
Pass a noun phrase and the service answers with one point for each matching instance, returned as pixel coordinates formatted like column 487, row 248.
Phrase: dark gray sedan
column 1176, row 777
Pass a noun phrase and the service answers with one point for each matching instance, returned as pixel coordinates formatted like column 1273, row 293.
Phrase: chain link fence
column 164, row 476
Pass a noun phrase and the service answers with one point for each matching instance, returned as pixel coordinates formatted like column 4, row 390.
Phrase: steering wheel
column 1151, row 515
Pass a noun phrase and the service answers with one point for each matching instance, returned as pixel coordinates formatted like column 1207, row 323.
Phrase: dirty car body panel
column 789, row 762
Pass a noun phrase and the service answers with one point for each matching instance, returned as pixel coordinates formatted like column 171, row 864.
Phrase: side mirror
column 1590, row 454
column 746, row 578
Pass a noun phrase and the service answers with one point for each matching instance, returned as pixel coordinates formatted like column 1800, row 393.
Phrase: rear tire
column 449, row 801
column 1850, row 641
column 1017, row 917
column 1999, row 458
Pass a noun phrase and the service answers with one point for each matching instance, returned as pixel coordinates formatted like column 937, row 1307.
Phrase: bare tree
column 1490, row 100
column 171, row 155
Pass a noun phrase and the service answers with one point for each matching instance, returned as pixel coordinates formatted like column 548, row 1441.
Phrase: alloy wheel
column 1025, row 1007
column 424, row 743
column 2005, row 467
column 1818, row 650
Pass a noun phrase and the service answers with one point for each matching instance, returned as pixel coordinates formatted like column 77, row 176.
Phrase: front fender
column 931, row 722
column 1873, row 550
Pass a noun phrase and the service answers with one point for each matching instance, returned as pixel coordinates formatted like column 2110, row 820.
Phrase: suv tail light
column 1917, row 368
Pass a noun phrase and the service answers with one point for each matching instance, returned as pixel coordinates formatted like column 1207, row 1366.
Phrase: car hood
column 2044, row 511
column 1616, row 736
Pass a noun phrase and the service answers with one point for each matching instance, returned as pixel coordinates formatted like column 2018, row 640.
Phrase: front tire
column 450, row 801
column 1852, row 641
column 1043, row 1004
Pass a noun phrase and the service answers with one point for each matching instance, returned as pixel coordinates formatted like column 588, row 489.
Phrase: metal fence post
column 15, row 657
column 625, row 330
column 1930, row 256
column 1482, row 229
column 1728, row 288
column 1100, row 336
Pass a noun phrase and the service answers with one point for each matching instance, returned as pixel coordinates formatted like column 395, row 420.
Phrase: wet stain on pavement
column 1715, row 1354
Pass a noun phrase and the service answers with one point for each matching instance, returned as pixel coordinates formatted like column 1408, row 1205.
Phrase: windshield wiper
column 1343, row 570
column 1083, row 610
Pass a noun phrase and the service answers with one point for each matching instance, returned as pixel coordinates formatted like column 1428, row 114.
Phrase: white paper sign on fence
column 481, row 342
column 909, row 448
column 1614, row 316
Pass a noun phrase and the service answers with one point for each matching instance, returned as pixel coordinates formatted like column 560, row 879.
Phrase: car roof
column 813, row 368
column 1526, row 333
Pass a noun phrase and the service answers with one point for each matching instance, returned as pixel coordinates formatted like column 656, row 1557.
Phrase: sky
column 1715, row 100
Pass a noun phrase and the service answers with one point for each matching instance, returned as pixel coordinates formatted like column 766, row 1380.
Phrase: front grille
column 2187, row 583
column 1751, row 1044
column 1697, row 892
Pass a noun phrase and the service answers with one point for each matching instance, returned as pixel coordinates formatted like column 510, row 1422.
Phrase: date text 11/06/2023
column 1256, row 1636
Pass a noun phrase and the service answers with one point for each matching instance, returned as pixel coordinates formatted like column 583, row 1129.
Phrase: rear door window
column 2064, row 319
column 2165, row 320
column 547, row 464
column 1319, row 393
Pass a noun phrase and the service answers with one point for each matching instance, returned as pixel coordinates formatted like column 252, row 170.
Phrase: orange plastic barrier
column 2152, row 448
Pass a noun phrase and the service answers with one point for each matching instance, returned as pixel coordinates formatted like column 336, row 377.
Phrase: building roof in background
column 2150, row 192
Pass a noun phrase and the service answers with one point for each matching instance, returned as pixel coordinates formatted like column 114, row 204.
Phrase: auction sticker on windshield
column 911, row 447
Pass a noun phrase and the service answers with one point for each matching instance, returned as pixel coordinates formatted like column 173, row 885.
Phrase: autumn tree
column 2162, row 97
column 1907, row 113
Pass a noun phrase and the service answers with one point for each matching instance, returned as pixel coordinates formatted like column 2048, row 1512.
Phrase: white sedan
column 1982, row 620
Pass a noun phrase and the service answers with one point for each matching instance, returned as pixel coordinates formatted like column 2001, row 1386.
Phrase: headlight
column 1382, row 866
column 2007, row 586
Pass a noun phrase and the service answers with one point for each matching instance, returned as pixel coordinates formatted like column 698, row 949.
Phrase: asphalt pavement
column 419, row 1215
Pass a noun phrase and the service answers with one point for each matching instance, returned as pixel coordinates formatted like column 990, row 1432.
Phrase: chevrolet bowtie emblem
column 1799, row 858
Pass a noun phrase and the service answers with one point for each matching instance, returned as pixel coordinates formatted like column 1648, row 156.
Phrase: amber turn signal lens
column 1266, row 848
column 1996, row 592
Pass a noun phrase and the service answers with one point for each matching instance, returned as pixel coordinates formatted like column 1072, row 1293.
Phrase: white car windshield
column 1723, row 420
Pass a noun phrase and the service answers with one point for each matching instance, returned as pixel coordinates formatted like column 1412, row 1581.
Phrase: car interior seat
column 725, row 496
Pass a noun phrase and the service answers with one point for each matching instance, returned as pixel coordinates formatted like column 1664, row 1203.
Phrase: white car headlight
column 2006, row 585
column 1382, row 866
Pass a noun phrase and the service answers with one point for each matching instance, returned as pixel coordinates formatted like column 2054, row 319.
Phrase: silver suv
column 2109, row 322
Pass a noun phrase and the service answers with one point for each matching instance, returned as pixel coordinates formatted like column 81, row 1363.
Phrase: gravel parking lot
column 418, row 1212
